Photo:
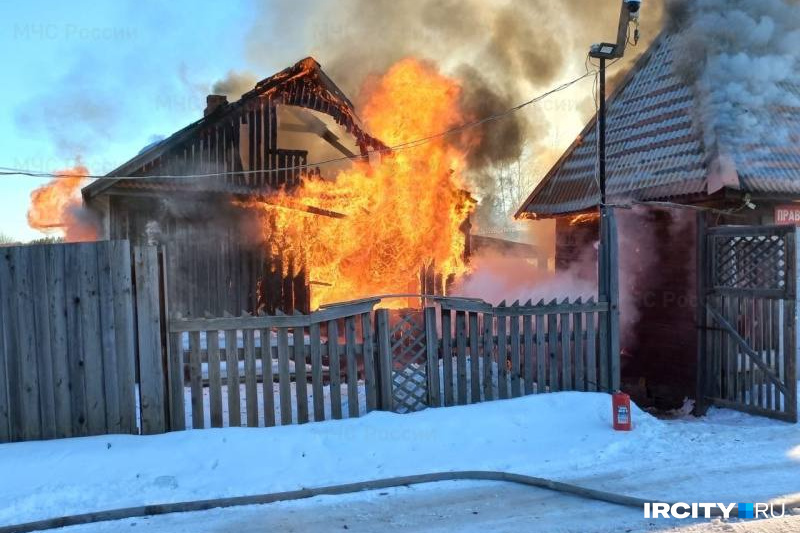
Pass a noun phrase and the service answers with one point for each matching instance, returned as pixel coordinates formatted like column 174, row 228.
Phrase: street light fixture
column 608, row 260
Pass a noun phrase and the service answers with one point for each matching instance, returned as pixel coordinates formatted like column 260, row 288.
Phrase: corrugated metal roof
column 655, row 148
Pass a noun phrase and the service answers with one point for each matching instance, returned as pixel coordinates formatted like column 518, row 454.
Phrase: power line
column 10, row 171
column 595, row 181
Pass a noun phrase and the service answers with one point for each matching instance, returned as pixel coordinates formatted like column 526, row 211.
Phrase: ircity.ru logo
column 707, row 510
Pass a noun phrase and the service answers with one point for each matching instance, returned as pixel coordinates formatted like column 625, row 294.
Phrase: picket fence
column 349, row 359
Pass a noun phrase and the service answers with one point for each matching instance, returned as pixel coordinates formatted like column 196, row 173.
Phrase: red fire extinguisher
column 621, row 404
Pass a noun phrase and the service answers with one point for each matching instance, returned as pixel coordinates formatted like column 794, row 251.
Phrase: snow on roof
column 656, row 148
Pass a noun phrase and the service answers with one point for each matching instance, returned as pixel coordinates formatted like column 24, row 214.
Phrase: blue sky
column 100, row 80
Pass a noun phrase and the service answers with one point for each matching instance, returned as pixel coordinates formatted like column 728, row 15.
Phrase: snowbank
column 724, row 457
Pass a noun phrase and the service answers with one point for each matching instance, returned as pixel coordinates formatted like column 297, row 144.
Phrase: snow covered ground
column 441, row 508
column 725, row 457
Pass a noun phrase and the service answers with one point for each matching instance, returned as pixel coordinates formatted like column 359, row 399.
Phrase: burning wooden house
column 216, row 260
column 250, row 222
column 666, row 162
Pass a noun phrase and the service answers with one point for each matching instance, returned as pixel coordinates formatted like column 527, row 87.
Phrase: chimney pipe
column 213, row 101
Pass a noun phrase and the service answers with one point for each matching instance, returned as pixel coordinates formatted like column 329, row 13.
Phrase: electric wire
column 11, row 171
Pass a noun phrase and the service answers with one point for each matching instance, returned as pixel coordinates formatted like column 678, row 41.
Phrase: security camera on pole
column 608, row 264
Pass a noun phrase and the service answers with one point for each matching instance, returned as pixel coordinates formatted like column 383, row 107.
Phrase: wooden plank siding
column 87, row 319
column 5, row 400
column 214, row 379
column 488, row 355
column 216, row 258
column 68, row 340
column 300, row 361
column 447, row 357
column 124, row 333
column 55, row 283
column 474, row 358
column 150, row 313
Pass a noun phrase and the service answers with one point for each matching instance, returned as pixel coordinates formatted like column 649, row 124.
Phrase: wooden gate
column 748, row 338
column 408, row 376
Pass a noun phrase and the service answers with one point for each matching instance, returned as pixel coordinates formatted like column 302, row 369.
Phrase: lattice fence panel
column 409, row 374
column 750, row 262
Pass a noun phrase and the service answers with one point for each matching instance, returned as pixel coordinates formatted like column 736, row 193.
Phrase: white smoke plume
column 741, row 57
column 497, row 277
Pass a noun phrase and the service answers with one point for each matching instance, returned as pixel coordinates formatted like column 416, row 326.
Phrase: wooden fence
column 86, row 349
column 268, row 370
column 345, row 360
column 71, row 320
column 475, row 352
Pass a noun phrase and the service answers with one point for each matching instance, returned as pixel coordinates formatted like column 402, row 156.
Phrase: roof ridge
column 340, row 107
column 639, row 64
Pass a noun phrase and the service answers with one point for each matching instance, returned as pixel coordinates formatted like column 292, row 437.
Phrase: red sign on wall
column 788, row 215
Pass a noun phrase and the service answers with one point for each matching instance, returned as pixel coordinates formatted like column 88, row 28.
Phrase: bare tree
column 514, row 183
column 47, row 240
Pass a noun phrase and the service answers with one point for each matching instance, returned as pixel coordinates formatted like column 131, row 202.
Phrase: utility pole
column 608, row 253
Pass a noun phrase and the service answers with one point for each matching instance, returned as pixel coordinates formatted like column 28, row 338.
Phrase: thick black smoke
column 501, row 51
column 234, row 84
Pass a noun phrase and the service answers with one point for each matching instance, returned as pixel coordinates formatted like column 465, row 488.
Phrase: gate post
column 608, row 284
column 432, row 356
column 793, row 335
column 700, row 405
column 384, row 360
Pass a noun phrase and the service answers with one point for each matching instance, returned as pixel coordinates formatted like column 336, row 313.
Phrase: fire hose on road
column 332, row 490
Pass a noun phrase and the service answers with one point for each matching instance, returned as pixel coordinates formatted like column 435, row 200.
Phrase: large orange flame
column 403, row 213
column 56, row 206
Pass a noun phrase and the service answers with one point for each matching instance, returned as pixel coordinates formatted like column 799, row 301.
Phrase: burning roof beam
column 294, row 206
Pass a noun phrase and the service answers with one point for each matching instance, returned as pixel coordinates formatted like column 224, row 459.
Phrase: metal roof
column 655, row 148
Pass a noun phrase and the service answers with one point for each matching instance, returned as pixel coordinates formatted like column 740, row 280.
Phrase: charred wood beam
column 294, row 206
